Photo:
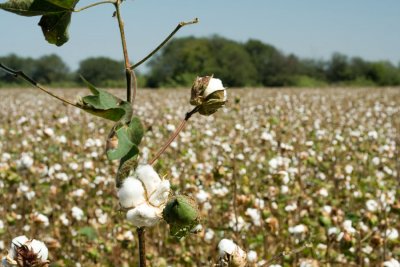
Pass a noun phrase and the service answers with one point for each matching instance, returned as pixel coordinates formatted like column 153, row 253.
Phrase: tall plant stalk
column 131, row 81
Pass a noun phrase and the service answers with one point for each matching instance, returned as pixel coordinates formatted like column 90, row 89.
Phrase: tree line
column 252, row 63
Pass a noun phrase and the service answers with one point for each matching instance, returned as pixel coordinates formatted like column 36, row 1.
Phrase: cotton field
column 294, row 177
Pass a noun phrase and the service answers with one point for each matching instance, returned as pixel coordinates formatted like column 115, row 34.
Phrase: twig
column 180, row 25
column 94, row 4
column 18, row 73
column 142, row 246
column 174, row 135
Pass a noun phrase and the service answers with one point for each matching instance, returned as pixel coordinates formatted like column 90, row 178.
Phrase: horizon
column 311, row 29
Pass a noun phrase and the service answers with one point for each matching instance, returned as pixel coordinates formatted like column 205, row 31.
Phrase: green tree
column 384, row 73
column 51, row 69
column 19, row 63
column 269, row 62
column 315, row 69
column 183, row 59
column 339, row 69
column 234, row 65
column 179, row 61
column 103, row 71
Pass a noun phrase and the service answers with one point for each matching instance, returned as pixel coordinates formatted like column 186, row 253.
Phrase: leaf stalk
column 94, row 4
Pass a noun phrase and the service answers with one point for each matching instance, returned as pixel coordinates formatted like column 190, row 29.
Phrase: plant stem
column 174, row 135
column 130, row 80
column 18, row 73
column 94, row 4
column 142, row 246
column 130, row 75
column 180, row 25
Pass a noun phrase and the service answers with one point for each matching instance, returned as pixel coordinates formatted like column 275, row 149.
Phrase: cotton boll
column 131, row 193
column 39, row 248
column 144, row 215
column 77, row 213
column 16, row 242
column 333, row 231
column 149, row 177
column 298, row 229
column 25, row 162
column 237, row 257
column 202, row 196
column 64, row 220
column 213, row 85
column 252, row 256
column 35, row 246
column 392, row 234
column 372, row 205
column 347, row 226
column 348, row 169
column 160, row 195
column 226, row 246
column 391, row 263
column 209, row 235
column 49, row 132
column 255, row 215
column 41, row 218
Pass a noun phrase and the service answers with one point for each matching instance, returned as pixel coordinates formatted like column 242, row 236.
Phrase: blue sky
column 307, row 28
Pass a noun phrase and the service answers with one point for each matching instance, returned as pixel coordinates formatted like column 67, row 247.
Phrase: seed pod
column 182, row 214
column 208, row 94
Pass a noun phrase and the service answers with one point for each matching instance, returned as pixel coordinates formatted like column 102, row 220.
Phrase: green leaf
column 136, row 130
column 105, row 105
column 124, row 145
column 54, row 28
column 129, row 137
column 34, row 7
column 56, row 16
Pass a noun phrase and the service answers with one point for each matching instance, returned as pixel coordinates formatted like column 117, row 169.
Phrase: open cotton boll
column 391, row 263
column 30, row 252
column 131, row 193
column 149, row 177
column 39, row 248
column 235, row 255
column 213, row 85
column 160, row 196
column 226, row 246
column 144, row 215
column 252, row 256
column 16, row 243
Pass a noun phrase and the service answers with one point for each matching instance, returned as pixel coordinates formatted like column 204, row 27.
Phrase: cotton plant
column 144, row 196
